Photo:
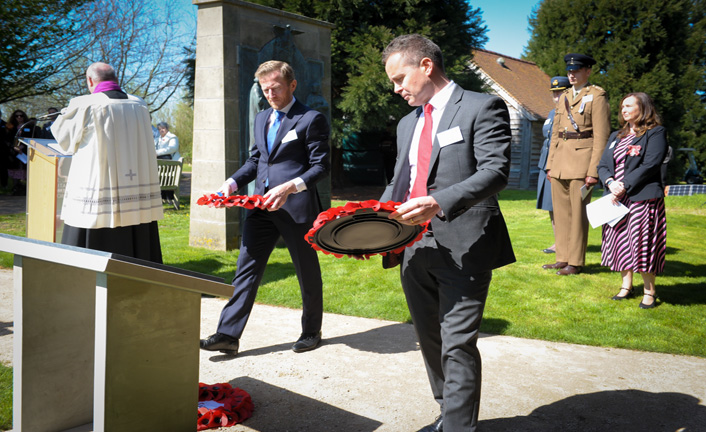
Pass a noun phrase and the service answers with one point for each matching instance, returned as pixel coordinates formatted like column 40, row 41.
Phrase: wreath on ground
column 221, row 405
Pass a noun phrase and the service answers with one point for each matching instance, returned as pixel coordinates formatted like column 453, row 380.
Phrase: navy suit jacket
column 465, row 175
column 643, row 175
column 301, row 149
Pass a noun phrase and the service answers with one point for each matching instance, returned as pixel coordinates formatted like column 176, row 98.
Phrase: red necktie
column 424, row 154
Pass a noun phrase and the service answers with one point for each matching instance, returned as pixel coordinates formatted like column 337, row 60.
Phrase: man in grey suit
column 446, row 274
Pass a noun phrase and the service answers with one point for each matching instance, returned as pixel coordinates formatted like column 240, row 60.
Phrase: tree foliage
column 142, row 40
column 38, row 40
column 654, row 46
column 362, row 94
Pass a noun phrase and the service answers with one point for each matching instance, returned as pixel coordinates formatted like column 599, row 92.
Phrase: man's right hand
column 224, row 190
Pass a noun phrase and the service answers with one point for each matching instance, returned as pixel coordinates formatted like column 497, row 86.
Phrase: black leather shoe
column 307, row 342
column 221, row 342
column 437, row 426
column 628, row 294
column 651, row 305
column 547, row 250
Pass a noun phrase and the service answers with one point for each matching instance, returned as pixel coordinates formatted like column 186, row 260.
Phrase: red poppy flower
column 232, row 406
column 219, row 201
column 634, row 150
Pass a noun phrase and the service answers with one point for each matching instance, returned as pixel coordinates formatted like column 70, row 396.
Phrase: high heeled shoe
column 628, row 295
column 651, row 305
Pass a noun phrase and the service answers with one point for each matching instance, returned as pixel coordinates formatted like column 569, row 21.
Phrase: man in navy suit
column 446, row 274
column 289, row 156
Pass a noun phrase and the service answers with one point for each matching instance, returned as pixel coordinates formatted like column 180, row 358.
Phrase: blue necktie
column 272, row 133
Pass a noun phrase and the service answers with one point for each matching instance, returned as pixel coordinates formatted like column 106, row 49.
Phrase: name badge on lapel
column 449, row 136
column 291, row 136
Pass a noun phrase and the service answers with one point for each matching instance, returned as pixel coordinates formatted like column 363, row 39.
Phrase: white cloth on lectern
column 113, row 180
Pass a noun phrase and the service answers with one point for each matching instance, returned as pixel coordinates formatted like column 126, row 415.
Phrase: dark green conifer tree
column 654, row 46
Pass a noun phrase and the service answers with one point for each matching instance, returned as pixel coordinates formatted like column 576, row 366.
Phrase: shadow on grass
column 617, row 410
column 494, row 326
column 596, row 269
column 682, row 294
column 214, row 267
column 524, row 195
column 209, row 266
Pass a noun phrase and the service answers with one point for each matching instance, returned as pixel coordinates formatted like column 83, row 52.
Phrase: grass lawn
column 5, row 397
column 524, row 300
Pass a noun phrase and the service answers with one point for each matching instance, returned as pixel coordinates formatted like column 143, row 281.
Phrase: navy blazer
column 304, row 153
column 643, row 177
column 466, row 171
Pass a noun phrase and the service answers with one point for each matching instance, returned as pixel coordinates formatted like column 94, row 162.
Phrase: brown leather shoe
column 556, row 265
column 569, row 270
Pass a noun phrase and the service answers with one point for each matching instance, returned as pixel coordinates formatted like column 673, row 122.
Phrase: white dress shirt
column 438, row 103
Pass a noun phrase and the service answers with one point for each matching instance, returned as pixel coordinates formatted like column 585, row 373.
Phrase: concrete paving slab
column 368, row 375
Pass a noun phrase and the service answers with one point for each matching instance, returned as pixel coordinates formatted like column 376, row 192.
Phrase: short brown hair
column 414, row 47
column 649, row 118
column 271, row 66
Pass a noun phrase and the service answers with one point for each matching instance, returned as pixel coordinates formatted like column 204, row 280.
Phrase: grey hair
column 163, row 124
column 100, row 72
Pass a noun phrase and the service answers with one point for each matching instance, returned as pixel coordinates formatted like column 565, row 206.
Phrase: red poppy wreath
column 220, row 201
column 221, row 405
column 362, row 228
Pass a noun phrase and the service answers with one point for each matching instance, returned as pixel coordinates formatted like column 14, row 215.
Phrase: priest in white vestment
column 112, row 200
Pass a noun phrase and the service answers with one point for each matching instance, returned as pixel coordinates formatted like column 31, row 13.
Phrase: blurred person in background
column 52, row 114
column 20, row 126
column 4, row 152
column 167, row 143
column 544, row 187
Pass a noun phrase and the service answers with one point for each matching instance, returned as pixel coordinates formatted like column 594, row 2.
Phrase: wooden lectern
column 47, row 170
column 104, row 342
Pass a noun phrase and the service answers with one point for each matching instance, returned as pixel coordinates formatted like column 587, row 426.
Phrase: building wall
column 525, row 148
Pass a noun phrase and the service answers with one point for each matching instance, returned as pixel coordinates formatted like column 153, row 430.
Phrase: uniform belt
column 575, row 135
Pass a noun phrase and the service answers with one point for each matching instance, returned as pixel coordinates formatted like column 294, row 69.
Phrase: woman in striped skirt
column 630, row 171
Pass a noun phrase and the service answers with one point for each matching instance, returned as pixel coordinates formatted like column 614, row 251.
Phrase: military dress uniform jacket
column 577, row 158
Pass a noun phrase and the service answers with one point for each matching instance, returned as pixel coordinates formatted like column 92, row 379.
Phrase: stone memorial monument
column 233, row 38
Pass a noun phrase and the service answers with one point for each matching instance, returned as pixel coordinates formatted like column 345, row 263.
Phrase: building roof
column 521, row 80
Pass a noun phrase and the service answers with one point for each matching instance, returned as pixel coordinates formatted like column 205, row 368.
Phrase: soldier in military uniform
column 579, row 134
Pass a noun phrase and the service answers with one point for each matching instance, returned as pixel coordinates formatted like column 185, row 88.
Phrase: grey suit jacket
column 466, row 172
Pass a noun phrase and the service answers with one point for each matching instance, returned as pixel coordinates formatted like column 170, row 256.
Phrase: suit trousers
column 570, row 221
column 261, row 230
column 446, row 305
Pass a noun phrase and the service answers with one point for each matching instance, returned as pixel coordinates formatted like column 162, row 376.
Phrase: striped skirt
column 639, row 241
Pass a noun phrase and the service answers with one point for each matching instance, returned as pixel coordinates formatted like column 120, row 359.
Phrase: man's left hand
column 277, row 196
column 416, row 211
column 590, row 181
